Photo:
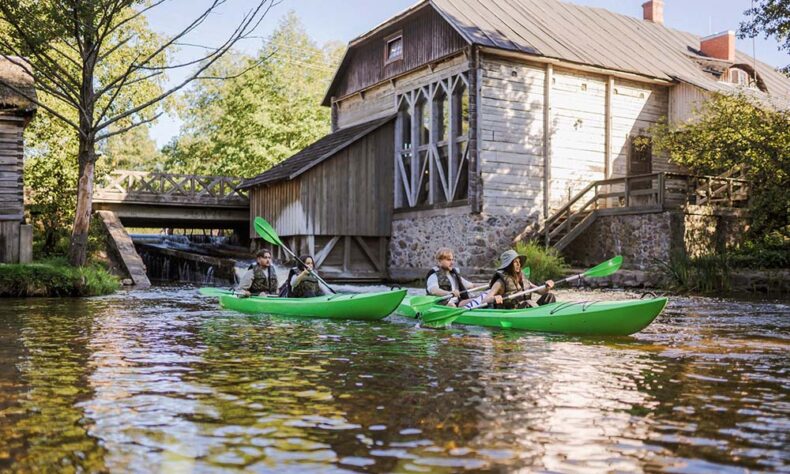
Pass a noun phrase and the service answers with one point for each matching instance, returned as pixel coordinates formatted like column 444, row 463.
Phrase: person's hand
column 456, row 293
column 498, row 299
column 305, row 272
column 451, row 304
column 243, row 294
column 549, row 284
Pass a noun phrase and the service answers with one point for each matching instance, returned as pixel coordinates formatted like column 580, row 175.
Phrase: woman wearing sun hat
column 509, row 280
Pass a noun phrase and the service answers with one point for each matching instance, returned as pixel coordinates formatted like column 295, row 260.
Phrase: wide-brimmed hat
column 507, row 258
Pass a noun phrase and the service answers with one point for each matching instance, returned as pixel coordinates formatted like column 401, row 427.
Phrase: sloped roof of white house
column 590, row 36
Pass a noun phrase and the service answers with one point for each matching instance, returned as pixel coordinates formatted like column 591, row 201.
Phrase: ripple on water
column 163, row 380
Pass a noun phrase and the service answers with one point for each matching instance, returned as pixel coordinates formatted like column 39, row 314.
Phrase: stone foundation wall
column 644, row 239
column 476, row 239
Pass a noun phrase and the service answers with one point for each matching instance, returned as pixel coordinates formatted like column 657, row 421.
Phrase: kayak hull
column 604, row 318
column 365, row 307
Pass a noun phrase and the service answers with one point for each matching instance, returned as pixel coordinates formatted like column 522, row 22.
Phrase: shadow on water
column 163, row 380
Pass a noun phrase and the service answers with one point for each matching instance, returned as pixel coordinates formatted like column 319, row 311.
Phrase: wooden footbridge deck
column 148, row 199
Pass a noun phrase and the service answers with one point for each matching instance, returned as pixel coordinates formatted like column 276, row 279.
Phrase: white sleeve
column 467, row 284
column 246, row 280
column 293, row 280
column 432, row 284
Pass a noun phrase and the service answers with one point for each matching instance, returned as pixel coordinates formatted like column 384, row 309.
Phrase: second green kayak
column 365, row 306
column 612, row 318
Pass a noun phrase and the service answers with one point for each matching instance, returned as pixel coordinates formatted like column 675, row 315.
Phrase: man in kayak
column 509, row 280
column 303, row 281
column 444, row 279
column 260, row 278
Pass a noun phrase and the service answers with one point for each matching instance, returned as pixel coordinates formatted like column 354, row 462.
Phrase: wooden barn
column 16, row 110
column 512, row 119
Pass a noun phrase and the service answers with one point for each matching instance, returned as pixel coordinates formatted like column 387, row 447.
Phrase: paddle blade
column 214, row 292
column 420, row 303
column 526, row 271
column 606, row 268
column 266, row 231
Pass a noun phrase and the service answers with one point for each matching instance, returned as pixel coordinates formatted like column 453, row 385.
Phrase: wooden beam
column 475, row 119
column 547, row 84
column 346, row 253
column 319, row 259
column 366, row 250
column 608, row 129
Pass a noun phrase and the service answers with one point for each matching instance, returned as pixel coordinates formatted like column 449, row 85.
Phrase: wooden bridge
column 143, row 199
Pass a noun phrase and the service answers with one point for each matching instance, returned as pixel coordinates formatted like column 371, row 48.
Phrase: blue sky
column 327, row 20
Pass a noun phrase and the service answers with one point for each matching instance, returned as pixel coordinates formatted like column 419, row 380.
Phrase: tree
column 250, row 123
column 71, row 48
column 730, row 131
column 771, row 18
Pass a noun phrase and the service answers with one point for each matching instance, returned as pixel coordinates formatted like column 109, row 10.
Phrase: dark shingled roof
column 12, row 73
column 589, row 36
column 314, row 154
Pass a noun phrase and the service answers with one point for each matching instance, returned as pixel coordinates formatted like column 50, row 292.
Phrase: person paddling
column 304, row 284
column 509, row 280
column 260, row 278
column 445, row 280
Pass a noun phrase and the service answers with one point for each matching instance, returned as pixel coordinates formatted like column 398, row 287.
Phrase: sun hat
column 507, row 258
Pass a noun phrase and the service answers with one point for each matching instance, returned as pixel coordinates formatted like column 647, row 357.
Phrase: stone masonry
column 476, row 239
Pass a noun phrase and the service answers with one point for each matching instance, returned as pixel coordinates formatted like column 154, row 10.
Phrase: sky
column 343, row 20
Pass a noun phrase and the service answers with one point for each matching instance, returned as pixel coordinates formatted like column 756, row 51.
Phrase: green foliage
column 51, row 145
column 544, row 263
column 54, row 277
column 771, row 251
column 770, row 18
column 730, row 131
column 706, row 274
column 245, row 125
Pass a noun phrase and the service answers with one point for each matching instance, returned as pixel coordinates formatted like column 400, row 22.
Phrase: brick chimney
column 653, row 10
column 719, row 46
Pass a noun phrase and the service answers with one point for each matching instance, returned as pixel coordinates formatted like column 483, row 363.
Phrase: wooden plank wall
column 683, row 99
column 11, row 161
column 512, row 124
column 511, row 136
column 426, row 38
column 350, row 193
column 380, row 101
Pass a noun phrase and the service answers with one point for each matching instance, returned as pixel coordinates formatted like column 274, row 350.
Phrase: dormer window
column 394, row 48
column 739, row 76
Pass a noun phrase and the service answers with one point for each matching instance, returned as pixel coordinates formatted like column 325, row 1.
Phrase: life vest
column 263, row 280
column 307, row 288
column 511, row 286
column 443, row 278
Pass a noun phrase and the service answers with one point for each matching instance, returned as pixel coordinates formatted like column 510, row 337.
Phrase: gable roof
column 13, row 74
column 584, row 35
column 315, row 153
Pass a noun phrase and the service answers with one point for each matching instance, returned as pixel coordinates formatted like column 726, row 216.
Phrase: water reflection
column 165, row 381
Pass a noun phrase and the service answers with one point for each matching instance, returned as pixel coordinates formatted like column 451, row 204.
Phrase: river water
column 164, row 381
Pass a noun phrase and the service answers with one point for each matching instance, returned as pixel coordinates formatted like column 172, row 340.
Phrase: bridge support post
column 123, row 246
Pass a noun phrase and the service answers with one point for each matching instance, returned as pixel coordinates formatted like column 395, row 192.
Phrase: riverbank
column 55, row 278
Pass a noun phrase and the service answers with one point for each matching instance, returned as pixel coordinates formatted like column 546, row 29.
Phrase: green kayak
column 612, row 318
column 364, row 306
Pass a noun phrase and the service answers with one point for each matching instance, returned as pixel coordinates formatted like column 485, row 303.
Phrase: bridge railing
column 163, row 188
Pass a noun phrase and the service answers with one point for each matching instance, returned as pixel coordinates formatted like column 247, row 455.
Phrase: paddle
column 215, row 292
column 601, row 270
column 267, row 232
column 421, row 303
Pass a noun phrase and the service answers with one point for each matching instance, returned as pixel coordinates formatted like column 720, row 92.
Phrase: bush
column 706, row 274
column 544, row 263
column 55, row 278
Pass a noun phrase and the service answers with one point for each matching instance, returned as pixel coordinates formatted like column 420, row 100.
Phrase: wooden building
column 16, row 110
column 505, row 113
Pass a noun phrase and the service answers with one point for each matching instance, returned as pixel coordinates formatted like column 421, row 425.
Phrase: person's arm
column 528, row 285
column 433, row 286
column 467, row 284
column 494, row 295
column 246, row 282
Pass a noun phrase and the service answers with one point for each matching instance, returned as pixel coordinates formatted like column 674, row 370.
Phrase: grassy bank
column 54, row 277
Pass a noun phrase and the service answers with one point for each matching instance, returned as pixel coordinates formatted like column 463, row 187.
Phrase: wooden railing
column 635, row 195
column 166, row 188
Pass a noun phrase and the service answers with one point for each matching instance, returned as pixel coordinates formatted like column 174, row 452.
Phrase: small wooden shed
column 333, row 200
column 16, row 111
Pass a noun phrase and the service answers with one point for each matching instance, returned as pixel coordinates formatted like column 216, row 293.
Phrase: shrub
column 55, row 277
column 544, row 263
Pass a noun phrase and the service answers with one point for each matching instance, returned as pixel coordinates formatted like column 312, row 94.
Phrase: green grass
column 544, row 263
column 54, row 277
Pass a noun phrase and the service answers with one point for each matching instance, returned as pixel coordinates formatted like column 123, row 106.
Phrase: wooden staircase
column 639, row 194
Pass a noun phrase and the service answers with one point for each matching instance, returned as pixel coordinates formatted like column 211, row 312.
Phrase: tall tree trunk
column 78, row 249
